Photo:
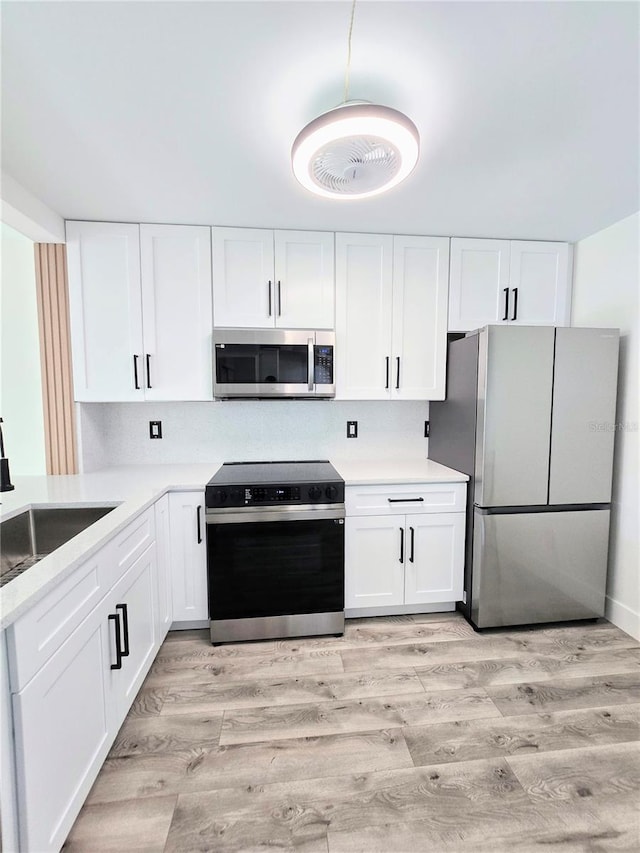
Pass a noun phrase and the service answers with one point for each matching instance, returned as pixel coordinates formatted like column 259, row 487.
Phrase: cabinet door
column 540, row 272
column 374, row 561
column 243, row 284
column 135, row 600
column 188, row 557
column 478, row 282
column 363, row 316
column 419, row 341
column 304, row 279
column 163, row 558
column 64, row 726
column 105, row 309
column 177, row 313
column 435, row 558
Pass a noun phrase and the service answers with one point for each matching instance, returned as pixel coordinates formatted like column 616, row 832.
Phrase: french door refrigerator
column 530, row 417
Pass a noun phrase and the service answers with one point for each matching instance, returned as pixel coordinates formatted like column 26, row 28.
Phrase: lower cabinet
column 134, row 637
column 188, row 557
column 163, row 557
column 410, row 554
column 64, row 723
column 69, row 702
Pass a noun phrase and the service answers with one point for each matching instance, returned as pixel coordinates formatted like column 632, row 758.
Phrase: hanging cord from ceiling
column 348, row 68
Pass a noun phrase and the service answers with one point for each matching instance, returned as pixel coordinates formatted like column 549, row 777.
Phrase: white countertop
column 383, row 471
column 134, row 488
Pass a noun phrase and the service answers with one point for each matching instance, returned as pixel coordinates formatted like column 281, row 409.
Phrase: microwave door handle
column 310, row 358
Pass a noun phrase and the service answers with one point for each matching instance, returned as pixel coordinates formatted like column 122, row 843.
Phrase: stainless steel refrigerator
column 530, row 417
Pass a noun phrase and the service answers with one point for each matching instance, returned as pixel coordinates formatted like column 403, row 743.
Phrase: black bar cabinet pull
column 405, row 500
column 386, row 383
column 269, row 292
column 506, row 303
column 413, row 535
column 402, row 544
column 136, row 381
column 515, row 303
column 113, row 617
column 279, row 300
column 125, row 627
column 148, row 371
column 199, row 523
column 397, row 371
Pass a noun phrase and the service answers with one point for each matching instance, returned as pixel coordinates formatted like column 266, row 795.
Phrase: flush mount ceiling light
column 355, row 150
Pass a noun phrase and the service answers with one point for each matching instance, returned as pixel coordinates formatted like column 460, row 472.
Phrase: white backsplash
column 229, row 430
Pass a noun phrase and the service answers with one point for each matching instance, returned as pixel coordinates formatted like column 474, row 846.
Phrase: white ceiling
column 185, row 112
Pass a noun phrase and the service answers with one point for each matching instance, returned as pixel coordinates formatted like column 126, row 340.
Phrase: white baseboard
column 400, row 609
column 623, row 617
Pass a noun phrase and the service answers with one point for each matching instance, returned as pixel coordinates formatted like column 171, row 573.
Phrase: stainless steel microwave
column 273, row 363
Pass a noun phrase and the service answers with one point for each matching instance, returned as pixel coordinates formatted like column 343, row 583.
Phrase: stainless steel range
column 275, row 550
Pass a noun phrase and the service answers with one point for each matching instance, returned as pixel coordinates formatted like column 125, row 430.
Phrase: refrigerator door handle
column 505, row 290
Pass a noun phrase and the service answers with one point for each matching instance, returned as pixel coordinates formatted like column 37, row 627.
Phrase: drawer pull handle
column 113, row 617
column 125, row 628
column 405, row 500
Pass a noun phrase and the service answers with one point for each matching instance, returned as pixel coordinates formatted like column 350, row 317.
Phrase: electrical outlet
column 352, row 429
column 155, row 429
column 426, row 429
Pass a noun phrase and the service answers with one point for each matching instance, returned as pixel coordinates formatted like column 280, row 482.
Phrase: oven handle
column 318, row 512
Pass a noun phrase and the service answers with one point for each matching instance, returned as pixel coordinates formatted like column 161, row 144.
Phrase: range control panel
column 304, row 493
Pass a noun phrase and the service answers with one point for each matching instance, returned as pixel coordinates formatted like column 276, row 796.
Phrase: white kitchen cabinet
column 135, row 601
column 64, row 725
column 501, row 281
column 163, row 559
column 177, row 315
column 266, row 279
column 140, row 311
column 103, row 261
column 188, row 557
column 404, row 545
column 391, row 317
column 76, row 661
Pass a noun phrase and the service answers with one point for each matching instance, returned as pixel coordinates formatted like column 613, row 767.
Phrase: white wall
column 237, row 430
column 606, row 287
column 20, row 377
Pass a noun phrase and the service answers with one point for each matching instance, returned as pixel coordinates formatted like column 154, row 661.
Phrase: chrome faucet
column 5, row 476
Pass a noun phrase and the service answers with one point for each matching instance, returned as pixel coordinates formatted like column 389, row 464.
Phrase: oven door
column 273, row 363
column 275, row 562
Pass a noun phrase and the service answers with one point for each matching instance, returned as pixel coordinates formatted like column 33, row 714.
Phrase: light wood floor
column 410, row 733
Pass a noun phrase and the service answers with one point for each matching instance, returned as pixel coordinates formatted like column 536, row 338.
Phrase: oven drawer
column 405, row 499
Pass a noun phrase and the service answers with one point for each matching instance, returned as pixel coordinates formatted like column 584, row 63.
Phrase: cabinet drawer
column 34, row 637
column 130, row 543
column 405, row 499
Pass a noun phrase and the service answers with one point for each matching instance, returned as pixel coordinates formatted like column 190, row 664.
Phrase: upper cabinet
column 140, row 310
column 508, row 281
column 391, row 317
column 265, row 279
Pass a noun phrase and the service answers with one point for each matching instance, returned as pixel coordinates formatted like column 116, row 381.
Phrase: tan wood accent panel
column 55, row 356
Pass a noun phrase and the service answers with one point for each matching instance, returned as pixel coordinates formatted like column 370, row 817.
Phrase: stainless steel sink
column 30, row 536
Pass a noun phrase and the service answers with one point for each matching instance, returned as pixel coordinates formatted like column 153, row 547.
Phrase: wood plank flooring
column 410, row 733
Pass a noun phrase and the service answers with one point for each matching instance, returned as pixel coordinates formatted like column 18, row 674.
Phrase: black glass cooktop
column 257, row 473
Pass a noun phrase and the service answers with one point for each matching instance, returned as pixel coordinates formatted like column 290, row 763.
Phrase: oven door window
column 261, row 364
column 275, row 568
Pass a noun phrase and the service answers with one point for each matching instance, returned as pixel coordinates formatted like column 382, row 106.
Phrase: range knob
column 221, row 496
column 331, row 492
column 315, row 493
